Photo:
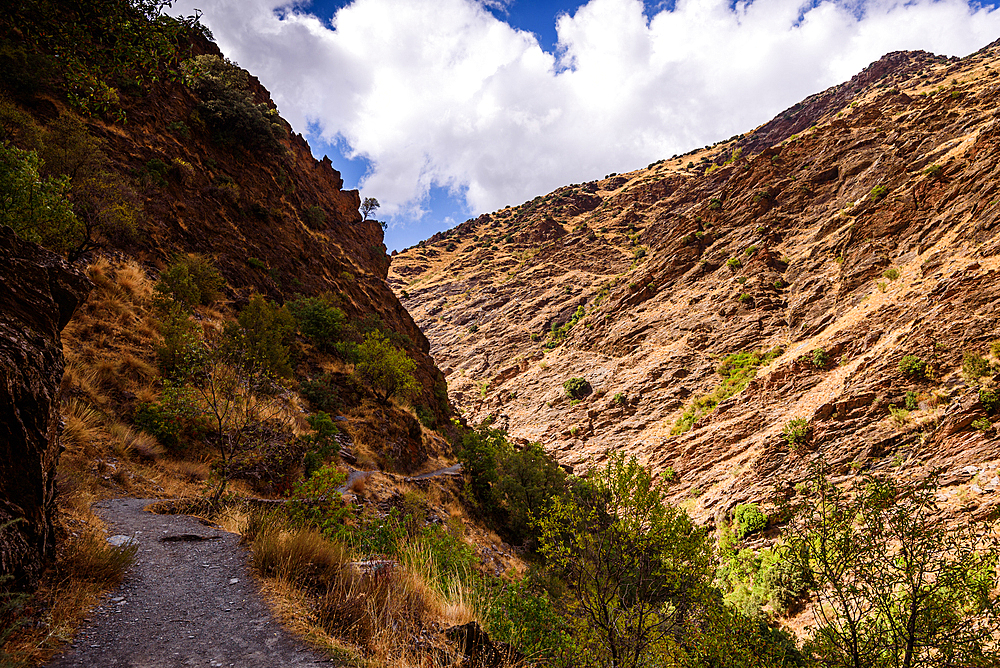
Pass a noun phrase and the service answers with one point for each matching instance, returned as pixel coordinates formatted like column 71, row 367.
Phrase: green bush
column 975, row 367
column 989, row 399
column 982, row 424
column 227, row 106
column 737, row 370
column 796, row 432
column 38, row 209
column 577, row 388
column 911, row 400
column 934, row 171
column 878, row 193
column 315, row 217
column 912, row 366
column 264, row 330
column 191, row 280
column 734, row 263
column 387, row 370
column 820, row 359
column 749, row 519
column 891, row 273
column 318, row 320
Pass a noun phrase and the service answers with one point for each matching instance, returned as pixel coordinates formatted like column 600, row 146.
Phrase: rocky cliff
column 746, row 310
column 40, row 294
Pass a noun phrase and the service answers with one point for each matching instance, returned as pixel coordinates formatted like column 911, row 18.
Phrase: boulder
column 38, row 293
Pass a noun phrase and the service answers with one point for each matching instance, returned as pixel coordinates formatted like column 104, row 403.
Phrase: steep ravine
column 870, row 235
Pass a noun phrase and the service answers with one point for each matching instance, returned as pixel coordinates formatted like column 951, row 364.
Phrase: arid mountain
column 805, row 292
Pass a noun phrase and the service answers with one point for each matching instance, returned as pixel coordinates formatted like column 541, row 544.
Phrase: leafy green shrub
column 989, row 399
column 934, row 171
column 426, row 416
column 982, row 424
column 257, row 264
column 179, row 128
column 911, row 400
column 820, row 358
column 387, row 370
column 315, row 217
column 737, row 370
column 734, row 263
column 749, row 519
column 318, row 320
column 619, row 399
column 878, row 193
column 975, row 367
column 715, row 204
column 227, row 105
column 577, row 388
column 191, row 280
column 38, row 209
column 639, row 253
column 891, row 273
column 316, row 501
column 175, row 416
column 527, row 620
column 263, row 330
column 796, row 432
column 912, row 366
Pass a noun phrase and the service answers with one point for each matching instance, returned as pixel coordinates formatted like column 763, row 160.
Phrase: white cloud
column 441, row 93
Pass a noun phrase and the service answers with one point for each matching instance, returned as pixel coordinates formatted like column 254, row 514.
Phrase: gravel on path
column 189, row 600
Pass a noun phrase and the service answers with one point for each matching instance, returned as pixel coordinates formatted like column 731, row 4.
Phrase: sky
column 445, row 109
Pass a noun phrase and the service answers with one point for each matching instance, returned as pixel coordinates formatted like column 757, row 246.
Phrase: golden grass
column 126, row 441
column 86, row 567
column 82, row 425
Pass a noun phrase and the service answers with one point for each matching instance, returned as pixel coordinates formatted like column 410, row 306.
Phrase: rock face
column 38, row 296
column 872, row 234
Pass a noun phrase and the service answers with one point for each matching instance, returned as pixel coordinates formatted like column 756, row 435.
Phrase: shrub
column 734, row 263
column 318, row 320
column 191, row 280
column 989, row 399
column 257, row 264
column 974, row 367
column 749, row 519
column 38, row 209
column 878, row 193
column 891, row 273
column 982, row 424
column 227, row 105
column 820, row 359
column 577, row 388
column 264, row 330
column 934, row 171
column 912, row 366
column 620, row 399
column 796, row 432
column 387, row 370
column 911, row 400
column 315, row 217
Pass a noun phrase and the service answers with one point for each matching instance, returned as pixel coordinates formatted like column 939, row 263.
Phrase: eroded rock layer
column 40, row 292
column 870, row 235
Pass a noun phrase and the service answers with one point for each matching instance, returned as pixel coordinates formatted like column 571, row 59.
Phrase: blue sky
column 445, row 109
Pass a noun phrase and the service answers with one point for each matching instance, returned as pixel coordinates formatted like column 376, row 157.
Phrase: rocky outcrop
column 38, row 296
column 872, row 234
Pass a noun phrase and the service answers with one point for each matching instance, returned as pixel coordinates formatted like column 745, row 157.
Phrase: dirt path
column 189, row 600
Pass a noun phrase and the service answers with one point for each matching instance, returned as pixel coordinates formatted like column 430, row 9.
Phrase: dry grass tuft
column 126, row 441
column 86, row 566
column 359, row 484
column 82, row 425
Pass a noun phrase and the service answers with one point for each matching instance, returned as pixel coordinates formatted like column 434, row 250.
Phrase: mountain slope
column 869, row 235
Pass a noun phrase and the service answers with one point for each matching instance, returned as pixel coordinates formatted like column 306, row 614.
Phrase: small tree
column 896, row 585
column 387, row 370
column 367, row 207
column 237, row 392
column 640, row 568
